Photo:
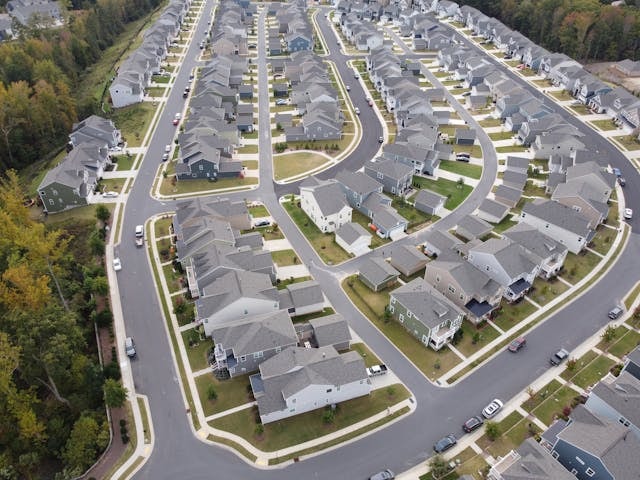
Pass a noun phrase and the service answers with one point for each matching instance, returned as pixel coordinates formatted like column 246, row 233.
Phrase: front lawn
column 628, row 142
column 133, row 122
column 197, row 352
column 230, row 393
column 506, row 441
column 496, row 136
column 323, row 243
column 544, row 291
column 473, row 338
column 603, row 240
column 417, row 219
column 490, row 122
column 258, row 211
column 308, row 426
column 577, row 266
column 511, row 314
column 289, row 165
column 454, row 192
column 372, row 304
column 562, row 95
column 605, row 125
column 628, row 341
column 284, row 258
column 580, row 109
column 512, row 149
column 367, row 355
column 462, row 168
column 593, row 372
column 504, row 224
column 553, row 405
column 541, row 395
column 572, row 369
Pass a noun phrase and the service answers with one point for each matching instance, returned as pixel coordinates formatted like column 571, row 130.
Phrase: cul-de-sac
column 350, row 239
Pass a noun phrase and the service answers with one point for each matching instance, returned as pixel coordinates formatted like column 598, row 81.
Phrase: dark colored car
column 614, row 313
column 445, row 444
column 622, row 181
column 472, row 424
column 262, row 223
column 517, row 344
column 559, row 357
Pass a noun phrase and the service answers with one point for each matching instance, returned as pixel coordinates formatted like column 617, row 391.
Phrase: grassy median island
column 311, row 425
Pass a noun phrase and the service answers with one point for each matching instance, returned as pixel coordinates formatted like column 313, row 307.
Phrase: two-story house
column 325, row 203
column 548, row 253
column 395, row 176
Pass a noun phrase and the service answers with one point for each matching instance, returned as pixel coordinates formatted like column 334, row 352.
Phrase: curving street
column 179, row 453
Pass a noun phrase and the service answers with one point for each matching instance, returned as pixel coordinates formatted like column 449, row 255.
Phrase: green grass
column 605, row 125
column 198, row 353
column 258, row 211
column 161, row 227
column 496, row 136
column 544, row 291
column 581, row 109
column 473, row 150
column 284, row 258
column 490, row 122
column 236, row 446
column 372, row 305
column 562, row 95
column 293, row 164
column 172, row 277
column 248, row 149
column 486, row 335
column 231, row 393
column 541, row 395
column 202, row 185
column 145, row 419
column 133, row 122
column 250, row 164
column 462, row 168
column 628, row 341
column 593, row 372
column 323, row 243
column 577, row 266
column 504, row 224
column 156, row 91
column 290, row 281
column 307, row 426
column 417, row 219
column 368, row 356
column 75, row 215
column 553, row 405
column 568, row 373
column 603, row 240
column 512, row 314
column 455, row 193
column 617, row 333
column 631, row 296
column 504, row 443
column 511, row 149
column 124, row 162
column 628, row 142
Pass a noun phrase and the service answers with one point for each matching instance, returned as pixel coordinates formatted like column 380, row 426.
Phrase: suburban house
column 199, row 159
column 465, row 136
column 542, row 249
column 465, row 285
column 377, row 274
column 422, row 160
column 408, row 260
column 72, row 182
column 240, row 347
column 471, row 227
column 437, row 242
column 562, row 223
column 324, row 203
column 492, row 210
column 395, row 176
column 507, row 195
column 353, row 238
column 298, row 380
column 330, row 330
column 301, row 298
column 25, row 10
column 429, row 202
column 632, row 363
column 592, row 446
column 507, row 263
column 530, row 461
column 425, row 313
column 95, row 129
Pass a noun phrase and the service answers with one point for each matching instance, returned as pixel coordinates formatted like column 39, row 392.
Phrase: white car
column 167, row 148
column 492, row 409
column 117, row 266
column 357, row 110
column 628, row 213
column 110, row 194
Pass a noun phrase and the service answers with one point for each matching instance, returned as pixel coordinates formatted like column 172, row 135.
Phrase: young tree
column 438, row 466
column 114, row 393
column 102, row 213
column 492, row 429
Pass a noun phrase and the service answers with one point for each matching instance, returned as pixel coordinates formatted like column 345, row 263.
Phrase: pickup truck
column 376, row 370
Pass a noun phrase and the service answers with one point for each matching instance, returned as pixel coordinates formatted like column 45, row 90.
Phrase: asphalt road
column 179, row 454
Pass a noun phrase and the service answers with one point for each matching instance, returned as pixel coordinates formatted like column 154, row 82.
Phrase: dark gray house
column 429, row 202
column 395, row 176
column 465, row 136
column 377, row 274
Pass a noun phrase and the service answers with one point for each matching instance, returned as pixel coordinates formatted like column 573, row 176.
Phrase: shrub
column 211, row 393
column 492, row 429
column 328, row 416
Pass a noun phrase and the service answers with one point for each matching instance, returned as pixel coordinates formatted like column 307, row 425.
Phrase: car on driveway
column 130, row 347
column 117, row 265
column 262, row 223
column 517, row 344
column 110, row 194
column 628, row 213
column 472, row 424
column 281, row 101
column 383, row 475
column 445, row 443
column 492, row 409
column 614, row 313
column 559, row 357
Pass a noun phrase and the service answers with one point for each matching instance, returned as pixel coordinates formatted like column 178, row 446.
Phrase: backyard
column 133, row 122
column 462, row 168
column 289, row 165
column 454, row 191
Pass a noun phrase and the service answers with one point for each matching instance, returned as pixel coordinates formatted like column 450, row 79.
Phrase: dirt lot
column 606, row 72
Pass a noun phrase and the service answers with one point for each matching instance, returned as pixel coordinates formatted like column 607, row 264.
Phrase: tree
column 81, row 447
column 114, row 393
column 492, row 429
column 438, row 466
column 102, row 213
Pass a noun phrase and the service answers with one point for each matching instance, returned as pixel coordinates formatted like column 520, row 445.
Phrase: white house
column 126, row 89
column 298, row 380
column 353, row 238
column 325, row 204
column 562, row 223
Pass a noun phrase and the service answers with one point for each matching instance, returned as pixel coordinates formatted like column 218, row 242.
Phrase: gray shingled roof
column 473, row 281
column 358, row 182
column 260, row 333
column 508, row 194
column 443, row 241
column 513, row 258
column 391, row 168
column 429, row 198
column 517, row 163
column 493, row 208
column 615, row 445
column 301, row 294
column 474, row 225
column 557, row 214
column 328, row 195
column 534, row 463
column 407, row 258
column 330, row 330
column 350, row 232
column 376, row 270
column 534, row 241
column 623, row 395
column 429, row 306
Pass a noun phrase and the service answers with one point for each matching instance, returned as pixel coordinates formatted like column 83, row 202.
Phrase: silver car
column 130, row 347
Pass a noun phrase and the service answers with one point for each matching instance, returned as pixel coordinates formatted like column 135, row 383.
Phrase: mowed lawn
column 292, row 164
column 308, row 426
column 454, row 192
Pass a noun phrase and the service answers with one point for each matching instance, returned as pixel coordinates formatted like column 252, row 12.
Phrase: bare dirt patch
column 608, row 73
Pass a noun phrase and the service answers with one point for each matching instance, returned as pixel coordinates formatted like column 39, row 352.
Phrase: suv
column 444, row 444
column 614, row 313
column 130, row 347
column 517, row 344
column 472, row 424
column 139, row 235
column 559, row 357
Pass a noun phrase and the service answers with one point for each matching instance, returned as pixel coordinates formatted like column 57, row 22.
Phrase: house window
column 577, row 208
column 555, row 454
column 579, row 460
column 51, row 202
column 201, row 167
column 488, row 268
column 590, row 472
column 409, row 314
column 393, row 300
column 55, row 192
column 258, row 355
column 624, row 421
column 401, row 318
column 461, row 296
column 574, row 471
column 391, row 309
column 437, row 279
column 546, row 226
column 246, row 311
column 242, row 359
column 451, row 289
column 329, row 390
column 278, row 349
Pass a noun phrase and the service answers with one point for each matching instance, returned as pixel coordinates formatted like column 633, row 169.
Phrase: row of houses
column 600, row 439
column 229, row 35
column 292, row 32
column 135, row 72
column 72, row 183
column 232, row 281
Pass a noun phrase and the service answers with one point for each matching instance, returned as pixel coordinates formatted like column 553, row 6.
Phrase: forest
column 586, row 30
column 41, row 71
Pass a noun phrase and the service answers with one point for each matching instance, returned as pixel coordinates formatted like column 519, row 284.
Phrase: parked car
column 621, row 181
column 559, row 357
column 445, row 444
column 130, row 347
column 383, row 475
column 628, row 213
column 472, row 424
column 356, row 76
column 466, row 94
column 517, row 344
column 165, row 157
column 348, row 88
column 281, row 101
column 616, row 172
column 167, row 148
column 370, row 103
column 614, row 313
column 380, row 139
column 117, row 266
column 262, row 223
column 357, row 110
column 110, row 194
column 492, row 409
column 252, row 46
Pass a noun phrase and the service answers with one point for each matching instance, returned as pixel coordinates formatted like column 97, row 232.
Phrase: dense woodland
column 40, row 72
column 587, row 30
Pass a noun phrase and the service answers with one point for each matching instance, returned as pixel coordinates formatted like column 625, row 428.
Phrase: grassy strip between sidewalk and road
column 460, row 374
column 631, row 296
column 307, row 426
column 145, row 420
column 234, row 445
column 343, row 438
